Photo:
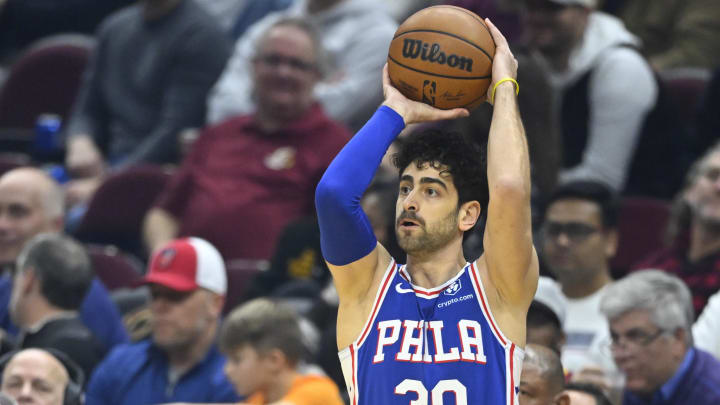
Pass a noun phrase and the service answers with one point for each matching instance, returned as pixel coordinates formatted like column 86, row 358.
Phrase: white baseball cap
column 188, row 264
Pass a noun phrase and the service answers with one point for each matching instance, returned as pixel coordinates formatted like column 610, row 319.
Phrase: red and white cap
column 186, row 265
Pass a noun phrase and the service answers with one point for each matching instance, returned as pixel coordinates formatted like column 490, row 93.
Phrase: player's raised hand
column 415, row 111
column 504, row 63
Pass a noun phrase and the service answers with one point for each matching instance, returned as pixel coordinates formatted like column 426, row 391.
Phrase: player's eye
column 404, row 190
column 432, row 192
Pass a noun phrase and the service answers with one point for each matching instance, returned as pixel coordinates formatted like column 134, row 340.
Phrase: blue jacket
column 137, row 374
column 97, row 312
column 700, row 385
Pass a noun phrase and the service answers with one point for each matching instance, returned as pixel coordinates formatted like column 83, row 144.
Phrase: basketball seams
column 437, row 74
column 450, row 35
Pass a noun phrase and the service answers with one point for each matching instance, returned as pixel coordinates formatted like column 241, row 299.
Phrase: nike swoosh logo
column 401, row 290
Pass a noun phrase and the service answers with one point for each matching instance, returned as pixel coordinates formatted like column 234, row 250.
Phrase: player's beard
column 431, row 237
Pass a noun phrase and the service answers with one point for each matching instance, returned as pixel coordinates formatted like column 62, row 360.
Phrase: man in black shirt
column 52, row 277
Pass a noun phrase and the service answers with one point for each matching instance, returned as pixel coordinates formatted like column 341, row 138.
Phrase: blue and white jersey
column 438, row 346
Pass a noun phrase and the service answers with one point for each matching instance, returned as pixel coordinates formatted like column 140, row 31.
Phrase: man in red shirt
column 246, row 178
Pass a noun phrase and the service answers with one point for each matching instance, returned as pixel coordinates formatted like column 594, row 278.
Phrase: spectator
column 582, row 394
column 694, row 250
column 31, row 203
column 181, row 362
column 263, row 342
column 579, row 237
column 153, row 65
column 356, row 35
column 706, row 330
column 593, row 62
column 256, row 172
column 546, row 316
column 650, row 316
column 36, row 376
column 676, row 33
column 52, row 278
column 542, row 376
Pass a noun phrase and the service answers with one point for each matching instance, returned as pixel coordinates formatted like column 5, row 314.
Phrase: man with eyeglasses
column 578, row 239
column 356, row 35
column 257, row 171
column 181, row 362
column 650, row 317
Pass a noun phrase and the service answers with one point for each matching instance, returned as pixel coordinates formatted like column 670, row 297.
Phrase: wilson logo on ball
column 414, row 48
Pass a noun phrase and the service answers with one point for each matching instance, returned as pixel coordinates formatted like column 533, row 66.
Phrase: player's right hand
column 415, row 111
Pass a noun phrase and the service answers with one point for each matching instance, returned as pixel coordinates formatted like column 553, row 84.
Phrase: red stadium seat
column 685, row 87
column 45, row 79
column 641, row 226
column 113, row 267
column 117, row 209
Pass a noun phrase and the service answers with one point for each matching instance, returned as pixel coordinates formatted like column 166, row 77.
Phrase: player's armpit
column 356, row 280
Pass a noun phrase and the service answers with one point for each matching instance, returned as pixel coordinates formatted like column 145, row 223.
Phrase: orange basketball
column 442, row 56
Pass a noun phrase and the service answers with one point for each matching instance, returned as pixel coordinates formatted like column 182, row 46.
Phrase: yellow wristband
column 507, row 79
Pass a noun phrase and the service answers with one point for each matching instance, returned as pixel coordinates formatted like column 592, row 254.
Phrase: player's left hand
column 415, row 111
column 504, row 62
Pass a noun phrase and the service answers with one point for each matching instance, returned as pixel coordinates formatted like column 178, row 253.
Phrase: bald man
column 34, row 376
column 542, row 376
column 31, row 202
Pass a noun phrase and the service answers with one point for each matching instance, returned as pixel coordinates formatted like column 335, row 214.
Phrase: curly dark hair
column 463, row 159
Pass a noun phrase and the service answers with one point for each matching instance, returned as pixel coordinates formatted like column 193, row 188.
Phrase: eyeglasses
column 575, row 231
column 274, row 60
column 635, row 338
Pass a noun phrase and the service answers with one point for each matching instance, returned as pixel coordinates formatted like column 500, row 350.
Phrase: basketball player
column 438, row 330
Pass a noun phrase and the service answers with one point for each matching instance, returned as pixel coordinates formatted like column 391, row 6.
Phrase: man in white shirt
column 578, row 240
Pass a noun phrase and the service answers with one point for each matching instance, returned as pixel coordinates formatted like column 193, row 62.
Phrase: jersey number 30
column 437, row 392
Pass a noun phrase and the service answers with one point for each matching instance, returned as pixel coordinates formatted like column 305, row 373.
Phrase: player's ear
column 468, row 215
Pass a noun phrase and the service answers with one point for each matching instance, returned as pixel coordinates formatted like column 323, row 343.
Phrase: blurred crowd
column 158, row 162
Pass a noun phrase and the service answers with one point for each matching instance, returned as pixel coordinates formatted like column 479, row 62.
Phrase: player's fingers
column 386, row 75
column 498, row 37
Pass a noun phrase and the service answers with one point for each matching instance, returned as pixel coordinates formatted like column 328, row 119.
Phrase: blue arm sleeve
column 345, row 232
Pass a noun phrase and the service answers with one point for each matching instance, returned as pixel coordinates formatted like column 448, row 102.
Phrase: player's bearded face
column 428, row 236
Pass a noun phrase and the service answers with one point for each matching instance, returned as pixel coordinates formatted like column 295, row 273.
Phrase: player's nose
column 410, row 202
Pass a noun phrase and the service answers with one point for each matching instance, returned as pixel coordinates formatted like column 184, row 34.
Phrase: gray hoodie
column 622, row 90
